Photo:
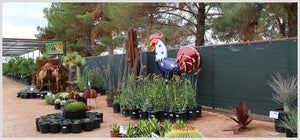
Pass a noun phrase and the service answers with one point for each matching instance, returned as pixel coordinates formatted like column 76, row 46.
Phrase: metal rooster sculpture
column 188, row 58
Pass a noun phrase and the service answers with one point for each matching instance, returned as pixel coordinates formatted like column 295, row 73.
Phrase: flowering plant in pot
column 115, row 128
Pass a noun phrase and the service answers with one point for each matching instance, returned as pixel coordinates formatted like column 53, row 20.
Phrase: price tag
column 152, row 116
column 64, row 127
column 197, row 111
column 31, row 89
column 89, row 83
column 177, row 115
column 153, row 135
column 166, row 114
column 53, row 96
column 123, row 130
column 171, row 115
column 133, row 112
column 274, row 114
column 190, row 112
column 48, row 93
column 146, row 101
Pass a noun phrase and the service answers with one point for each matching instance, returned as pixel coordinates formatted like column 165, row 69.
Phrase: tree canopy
column 91, row 28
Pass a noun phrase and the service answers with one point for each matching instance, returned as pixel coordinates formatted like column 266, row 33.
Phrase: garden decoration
column 243, row 117
column 188, row 58
column 90, row 94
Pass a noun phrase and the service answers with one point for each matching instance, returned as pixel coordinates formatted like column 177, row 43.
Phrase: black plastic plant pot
column 290, row 134
column 181, row 116
column 153, row 114
column 65, row 128
column 88, row 126
column 44, row 127
column 75, row 114
column 134, row 114
column 37, row 95
column 281, row 114
column 57, row 106
column 42, row 96
column 191, row 114
column 171, row 116
column 37, row 124
column 76, row 127
column 100, row 115
column 143, row 115
column 116, row 107
column 54, row 128
column 125, row 112
column 161, row 115
column 97, row 123
column 198, row 111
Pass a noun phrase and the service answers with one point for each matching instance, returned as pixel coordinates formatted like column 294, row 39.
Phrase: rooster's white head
column 158, row 46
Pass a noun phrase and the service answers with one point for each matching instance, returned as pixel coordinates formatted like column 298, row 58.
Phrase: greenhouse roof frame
column 19, row 46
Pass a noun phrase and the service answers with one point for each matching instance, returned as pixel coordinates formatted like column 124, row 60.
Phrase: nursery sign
column 54, row 48
column 273, row 114
column 123, row 130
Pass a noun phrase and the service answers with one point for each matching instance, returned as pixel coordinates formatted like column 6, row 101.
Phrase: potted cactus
column 87, row 124
column 76, row 126
column 115, row 128
column 75, row 110
column 57, row 104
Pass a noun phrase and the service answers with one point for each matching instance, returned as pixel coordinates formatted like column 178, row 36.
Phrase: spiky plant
column 286, row 90
column 290, row 121
column 243, row 117
column 190, row 132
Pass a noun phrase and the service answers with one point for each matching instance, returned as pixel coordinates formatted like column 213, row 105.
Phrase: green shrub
column 49, row 100
column 70, row 101
column 75, row 106
column 184, row 133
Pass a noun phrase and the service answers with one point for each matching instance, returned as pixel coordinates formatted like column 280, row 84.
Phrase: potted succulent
column 96, row 122
column 57, row 104
column 54, row 126
column 76, row 126
column 65, row 126
column 285, row 94
column 290, row 123
column 43, row 125
column 62, row 104
column 116, row 104
column 87, row 124
column 115, row 128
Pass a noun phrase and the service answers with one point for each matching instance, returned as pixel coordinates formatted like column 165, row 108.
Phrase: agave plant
column 243, row 117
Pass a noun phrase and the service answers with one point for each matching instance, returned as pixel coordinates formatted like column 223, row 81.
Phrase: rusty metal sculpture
column 132, row 50
column 90, row 94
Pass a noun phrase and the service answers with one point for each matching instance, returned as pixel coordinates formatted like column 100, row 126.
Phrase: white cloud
column 20, row 19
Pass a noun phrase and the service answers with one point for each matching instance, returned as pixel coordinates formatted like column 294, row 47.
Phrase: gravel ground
column 19, row 119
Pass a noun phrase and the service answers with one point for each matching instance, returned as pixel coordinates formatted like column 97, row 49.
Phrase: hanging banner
column 54, row 48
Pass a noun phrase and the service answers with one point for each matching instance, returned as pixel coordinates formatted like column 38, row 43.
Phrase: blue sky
column 20, row 19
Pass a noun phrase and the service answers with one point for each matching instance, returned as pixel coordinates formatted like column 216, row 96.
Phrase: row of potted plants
column 32, row 92
column 19, row 68
column 153, row 128
column 153, row 97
